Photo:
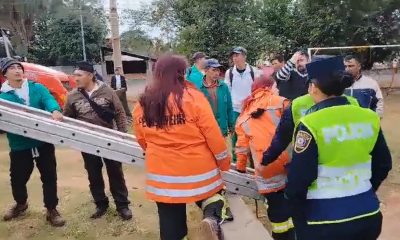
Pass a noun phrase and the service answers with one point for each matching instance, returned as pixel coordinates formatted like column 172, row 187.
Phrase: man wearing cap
column 195, row 73
column 292, row 78
column 239, row 79
column 217, row 93
column 25, row 151
column 94, row 102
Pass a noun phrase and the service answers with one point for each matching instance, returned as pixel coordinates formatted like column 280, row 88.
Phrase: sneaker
column 15, row 211
column 125, row 213
column 209, row 229
column 54, row 218
column 100, row 211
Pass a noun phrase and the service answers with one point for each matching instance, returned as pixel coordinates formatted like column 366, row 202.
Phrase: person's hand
column 260, row 169
column 231, row 131
column 295, row 57
column 56, row 115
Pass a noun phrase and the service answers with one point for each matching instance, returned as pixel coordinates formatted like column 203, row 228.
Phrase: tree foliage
column 19, row 17
column 265, row 26
column 48, row 31
column 58, row 38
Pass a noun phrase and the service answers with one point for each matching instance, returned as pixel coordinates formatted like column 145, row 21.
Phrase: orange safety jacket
column 184, row 160
column 255, row 136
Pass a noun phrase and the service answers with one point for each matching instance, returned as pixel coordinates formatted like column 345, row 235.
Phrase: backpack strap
column 252, row 72
column 231, row 75
column 189, row 71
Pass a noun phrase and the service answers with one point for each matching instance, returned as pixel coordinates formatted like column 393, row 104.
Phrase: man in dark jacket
column 84, row 104
column 118, row 83
column 25, row 151
column 292, row 78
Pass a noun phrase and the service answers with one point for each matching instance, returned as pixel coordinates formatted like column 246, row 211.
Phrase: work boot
column 54, row 218
column 125, row 213
column 100, row 211
column 15, row 211
column 209, row 229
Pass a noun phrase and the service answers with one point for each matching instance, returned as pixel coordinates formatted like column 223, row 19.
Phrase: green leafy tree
column 19, row 17
column 136, row 41
column 270, row 26
column 58, row 38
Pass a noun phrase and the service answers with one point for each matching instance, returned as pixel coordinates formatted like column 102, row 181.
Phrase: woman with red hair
column 255, row 129
column 185, row 151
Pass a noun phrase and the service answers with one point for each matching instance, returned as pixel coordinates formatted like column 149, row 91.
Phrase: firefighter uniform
column 340, row 158
column 183, row 163
column 255, row 128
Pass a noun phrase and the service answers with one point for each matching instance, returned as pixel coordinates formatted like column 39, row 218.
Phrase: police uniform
column 340, row 158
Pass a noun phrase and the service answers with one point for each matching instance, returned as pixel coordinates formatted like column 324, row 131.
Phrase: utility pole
column 83, row 38
column 115, row 39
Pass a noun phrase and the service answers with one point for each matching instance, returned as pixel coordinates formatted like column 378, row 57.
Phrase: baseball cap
column 239, row 50
column 212, row 63
column 85, row 66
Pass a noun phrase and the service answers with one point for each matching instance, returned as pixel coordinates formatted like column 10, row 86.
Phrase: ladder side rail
column 64, row 130
column 13, row 115
column 42, row 113
column 73, row 143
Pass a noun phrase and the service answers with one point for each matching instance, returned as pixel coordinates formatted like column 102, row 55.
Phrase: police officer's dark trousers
column 279, row 215
column 21, row 167
column 368, row 228
column 93, row 166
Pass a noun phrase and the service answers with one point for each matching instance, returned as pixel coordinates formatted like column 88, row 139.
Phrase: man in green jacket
column 217, row 93
column 24, row 151
column 195, row 74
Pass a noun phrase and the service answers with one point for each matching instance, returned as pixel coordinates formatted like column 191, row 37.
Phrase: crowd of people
column 309, row 128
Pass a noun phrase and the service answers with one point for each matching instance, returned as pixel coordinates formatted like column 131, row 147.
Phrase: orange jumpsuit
column 183, row 161
column 255, row 136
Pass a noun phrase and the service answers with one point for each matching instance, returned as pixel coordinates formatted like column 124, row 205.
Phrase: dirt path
column 390, row 191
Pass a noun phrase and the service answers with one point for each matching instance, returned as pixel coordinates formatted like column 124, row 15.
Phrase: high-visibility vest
column 345, row 136
column 183, row 162
column 302, row 104
column 255, row 136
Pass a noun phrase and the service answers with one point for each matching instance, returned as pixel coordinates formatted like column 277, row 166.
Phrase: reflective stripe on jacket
column 183, row 161
column 255, row 136
column 345, row 136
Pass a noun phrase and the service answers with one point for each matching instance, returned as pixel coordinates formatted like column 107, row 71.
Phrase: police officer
column 340, row 159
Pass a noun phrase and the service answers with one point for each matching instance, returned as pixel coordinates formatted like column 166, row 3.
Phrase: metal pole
column 83, row 39
column 350, row 47
column 5, row 41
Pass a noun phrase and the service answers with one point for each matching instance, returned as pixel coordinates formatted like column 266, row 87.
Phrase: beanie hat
column 5, row 63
